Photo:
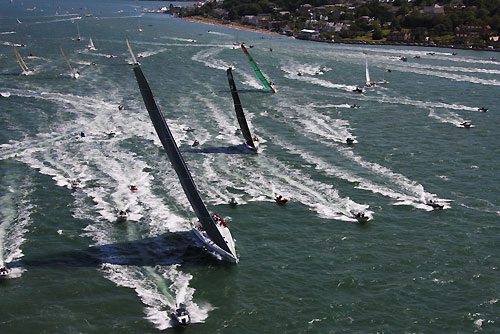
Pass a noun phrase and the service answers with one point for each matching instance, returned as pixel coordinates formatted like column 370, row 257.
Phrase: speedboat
column 133, row 187
column 195, row 143
column 4, row 272
column 434, row 205
column 349, row 141
column 122, row 215
column 188, row 129
column 358, row 90
column 181, row 316
column 281, row 200
column 361, row 217
column 74, row 185
column 483, row 109
column 233, row 202
column 354, row 106
column 466, row 124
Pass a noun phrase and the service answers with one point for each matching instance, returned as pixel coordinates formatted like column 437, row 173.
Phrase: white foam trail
column 446, row 116
column 150, row 53
column 15, row 217
column 293, row 75
column 105, row 171
column 208, row 58
column 451, row 76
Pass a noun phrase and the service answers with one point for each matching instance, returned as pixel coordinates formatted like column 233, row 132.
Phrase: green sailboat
column 267, row 84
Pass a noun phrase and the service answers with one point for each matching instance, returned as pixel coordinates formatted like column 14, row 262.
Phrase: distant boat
column 26, row 69
column 361, row 217
column 435, row 205
column 267, row 84
column 122, row 215
column 213, row 231
column 140, row 29
column 368, row 83
column 74, row 74
column 91, row 45
column 78, row 31
column 4, row 272
column 18, row 21
column 242, row 121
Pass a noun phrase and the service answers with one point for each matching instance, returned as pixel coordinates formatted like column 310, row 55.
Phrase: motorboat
column 122, row 215
column 361, row 217
column 435, row 205
column 280, row 199
column 4, row 272
column 181, row 316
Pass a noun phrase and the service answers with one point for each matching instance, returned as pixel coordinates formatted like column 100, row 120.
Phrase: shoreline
column 213, row 22
column 232, row 25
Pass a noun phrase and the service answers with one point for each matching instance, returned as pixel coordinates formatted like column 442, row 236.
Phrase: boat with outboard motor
column 214, row 234
column 4, row 271
column 361, row 217
column 435, row 205
column 181, row 316
column 122, row 215
column 280, row 199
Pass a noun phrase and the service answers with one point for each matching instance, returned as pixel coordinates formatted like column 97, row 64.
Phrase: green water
column 306, row 267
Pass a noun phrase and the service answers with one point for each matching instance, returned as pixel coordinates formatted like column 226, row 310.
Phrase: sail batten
column 239, row 111
column 259, row 74
column 178, row 162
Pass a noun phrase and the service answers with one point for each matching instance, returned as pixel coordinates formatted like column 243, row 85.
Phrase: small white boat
column 361, row 217
column 4, row 272
column 434, row 205
column 466, row 124
column 181, row 316
column 75, row 185
column 91, row 45
column 349, row 141
column 122, row 215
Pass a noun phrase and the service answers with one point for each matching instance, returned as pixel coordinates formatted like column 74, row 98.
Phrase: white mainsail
column 91, row 45
column 368, row 81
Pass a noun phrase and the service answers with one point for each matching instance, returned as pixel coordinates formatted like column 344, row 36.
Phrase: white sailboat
column 140, row 29
column 78, row 30
column 91, row 45
column 368, row 83
column 74, row 74
column 24, row 67
column 213, row 231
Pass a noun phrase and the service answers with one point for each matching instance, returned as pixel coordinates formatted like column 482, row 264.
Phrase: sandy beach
column 229, row 25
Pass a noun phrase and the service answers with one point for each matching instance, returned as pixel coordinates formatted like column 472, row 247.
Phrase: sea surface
column 305, row 267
